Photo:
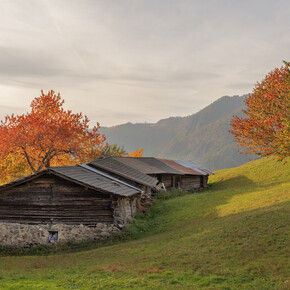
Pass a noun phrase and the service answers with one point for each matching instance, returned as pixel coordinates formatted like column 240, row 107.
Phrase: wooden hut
column 148, row 166
column 171, row 174
column 75, row 202
column 114, row 167
column 193, row 177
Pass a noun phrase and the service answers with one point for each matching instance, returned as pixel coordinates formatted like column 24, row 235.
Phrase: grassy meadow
column 234, row 235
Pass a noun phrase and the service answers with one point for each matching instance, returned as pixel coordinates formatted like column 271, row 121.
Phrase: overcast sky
column 138, row 61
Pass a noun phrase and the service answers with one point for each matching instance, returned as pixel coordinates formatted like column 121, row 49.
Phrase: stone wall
column 25, row 235
column 28, row 235
column 124, row 210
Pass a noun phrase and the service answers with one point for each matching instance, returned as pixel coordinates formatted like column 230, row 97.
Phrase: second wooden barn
column 193, row 177
column 170, row 174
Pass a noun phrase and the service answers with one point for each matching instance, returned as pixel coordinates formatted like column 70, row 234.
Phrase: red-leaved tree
column 46, row 136
column 266, row 129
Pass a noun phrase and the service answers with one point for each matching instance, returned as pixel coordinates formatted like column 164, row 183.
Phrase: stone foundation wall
column 25, row 235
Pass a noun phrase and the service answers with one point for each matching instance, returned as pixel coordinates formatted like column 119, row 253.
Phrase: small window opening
column 52, row 237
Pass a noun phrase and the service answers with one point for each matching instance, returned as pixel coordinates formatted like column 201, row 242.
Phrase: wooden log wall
column 53, row 200
column 191, row 182
column 168, row 181
column 204, row 181
column 185, row 182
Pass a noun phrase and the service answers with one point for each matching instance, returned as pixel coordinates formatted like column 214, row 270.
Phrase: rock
column 105, row 234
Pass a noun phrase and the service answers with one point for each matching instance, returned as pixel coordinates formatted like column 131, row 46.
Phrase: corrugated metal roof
column 110, row 177
column 194, row 166
column 117, row 166
column 137, row 164
column 149, row 165
column 183, row 169
column 85, row 177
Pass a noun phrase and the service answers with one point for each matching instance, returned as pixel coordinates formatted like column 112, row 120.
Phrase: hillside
column 235, row 235
column 202, row 137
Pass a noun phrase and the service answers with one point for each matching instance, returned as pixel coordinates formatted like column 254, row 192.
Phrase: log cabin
column 193, row 177
column 114, row 167
column 148, row 166
column 171, row 174
column 89, row 201
column 68, row 203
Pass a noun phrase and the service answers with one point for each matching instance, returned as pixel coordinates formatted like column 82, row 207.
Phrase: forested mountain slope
column 202, row 137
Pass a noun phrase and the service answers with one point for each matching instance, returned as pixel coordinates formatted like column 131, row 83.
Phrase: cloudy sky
column 137, row 60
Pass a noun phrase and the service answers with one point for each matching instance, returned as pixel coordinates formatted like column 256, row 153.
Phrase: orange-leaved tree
column 266, row 129
column 12, row 167
column 46, row 136
column 137, row 153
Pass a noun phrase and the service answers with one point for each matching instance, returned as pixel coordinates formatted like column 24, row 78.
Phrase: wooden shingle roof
column 194, row 166
column 149, row 165
column 85, row 177
column 117, row 166
column 183, row 169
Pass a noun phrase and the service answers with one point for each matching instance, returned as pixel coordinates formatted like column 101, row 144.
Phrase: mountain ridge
column 201, row 137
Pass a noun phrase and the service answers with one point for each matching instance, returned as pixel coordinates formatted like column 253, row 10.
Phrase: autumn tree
column 266, row 129
column 47, row 135
column 12, row 166
column 137, row 153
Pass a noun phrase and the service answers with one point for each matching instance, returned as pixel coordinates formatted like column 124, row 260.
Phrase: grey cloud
column 22, row 66
column 16, row 62
column 138, row 60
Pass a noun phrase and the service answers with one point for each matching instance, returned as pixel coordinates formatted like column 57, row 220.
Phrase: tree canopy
column 115, row 150
column 266, row 129
column 47, row 135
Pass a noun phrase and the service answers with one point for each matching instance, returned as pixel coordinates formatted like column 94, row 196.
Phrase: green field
column 234, row 235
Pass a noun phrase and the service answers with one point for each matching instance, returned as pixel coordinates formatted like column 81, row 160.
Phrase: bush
column 164, row 195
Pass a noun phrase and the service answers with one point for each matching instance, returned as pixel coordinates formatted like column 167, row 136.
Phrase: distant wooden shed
column 114, row 167
column 193, row 177
column 170, row 174
column 153, row 167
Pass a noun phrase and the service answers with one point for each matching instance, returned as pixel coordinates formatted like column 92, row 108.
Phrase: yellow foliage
column 137, row 153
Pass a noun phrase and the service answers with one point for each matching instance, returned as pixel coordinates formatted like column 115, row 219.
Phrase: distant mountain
column 202, row 137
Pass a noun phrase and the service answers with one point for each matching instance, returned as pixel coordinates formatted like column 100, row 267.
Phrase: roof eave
column 123, row 175
column 51, row 171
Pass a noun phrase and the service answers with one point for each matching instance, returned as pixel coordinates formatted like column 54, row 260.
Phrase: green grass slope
column 235, row 235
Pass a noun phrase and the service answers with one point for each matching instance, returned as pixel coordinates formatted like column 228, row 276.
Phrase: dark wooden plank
column 41, row 200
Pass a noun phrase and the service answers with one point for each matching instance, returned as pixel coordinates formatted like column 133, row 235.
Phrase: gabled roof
column 137, row 168
column 194, row 166
column 183, row 169
column 117, row 166
column 149, row 165
column 85, row 177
